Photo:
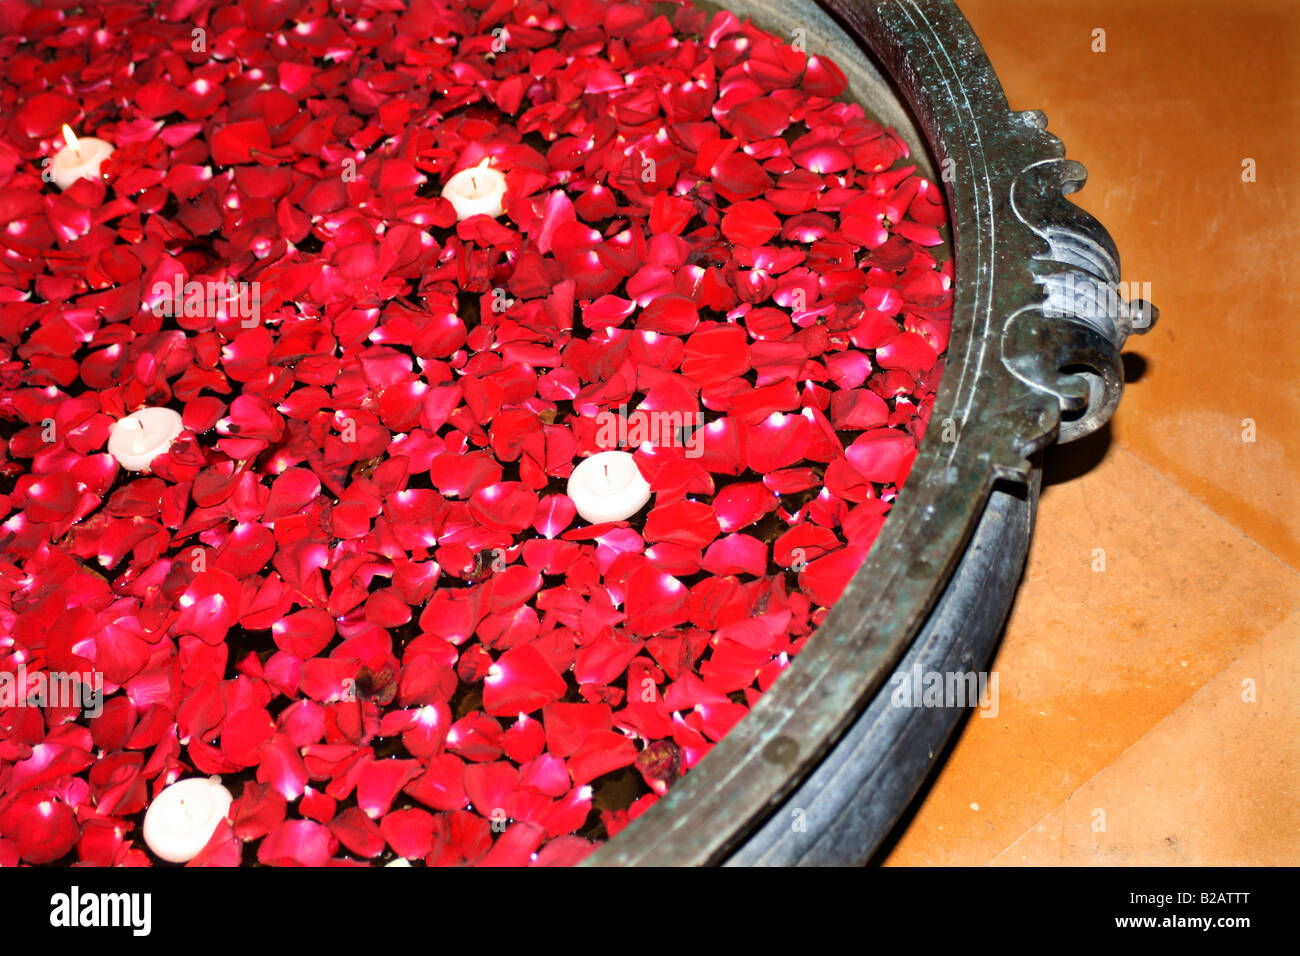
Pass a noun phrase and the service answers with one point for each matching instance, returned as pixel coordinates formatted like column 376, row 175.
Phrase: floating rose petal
column 358, row 833
column 715, row 353
column 525, row 739
column 655, row 601
column 848, row 369
column 736, row 554
column 222, row 849
column 604, row 659
column 568, row 725
column 882, row 454
column 742, row 504
column 520, row 681
column 823, row 78
column 210, row 605
column 779, row 440
column 862, row 222
column 738, row 177
column 379, row 781
column 731, row 667
column 671, row 314
column 688, row 523
column 607, row 311
column 858, row 409
column 257, row 811
column 297, row 843
column 825, row 579
column 804, row 542
column 546, row 775
column 554, row 514
column 820, row 153
column 243, row 734
column 909, row 352
column 409, row 832
column 41, row 827
column 750, row 223
column 516, row 846
column 505, row 506
column 490, row 787
column 600, row 753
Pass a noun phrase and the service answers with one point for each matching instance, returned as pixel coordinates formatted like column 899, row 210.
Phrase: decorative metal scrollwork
column 1069, row 345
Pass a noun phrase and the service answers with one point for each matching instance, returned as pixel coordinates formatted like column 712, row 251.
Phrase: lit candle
column 608, row 487
column 479, row 190
column 79, row 159
column 181, row 819
column 142, row 436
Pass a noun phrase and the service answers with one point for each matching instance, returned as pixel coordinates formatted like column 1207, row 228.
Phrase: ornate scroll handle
column 1069, row 345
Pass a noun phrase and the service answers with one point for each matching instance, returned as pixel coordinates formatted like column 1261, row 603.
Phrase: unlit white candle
column 79, row 159
column 181, row 819
column 479, row 190
column 142, row 436
column 608, row 487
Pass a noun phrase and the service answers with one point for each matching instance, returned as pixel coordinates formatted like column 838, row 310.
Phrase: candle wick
column 138, row 445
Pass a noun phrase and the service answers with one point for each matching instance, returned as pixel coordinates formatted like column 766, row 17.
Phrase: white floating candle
column 479, row 190
column 181, row 819
column 79, row 159
column 608, row 487
column 142, row 436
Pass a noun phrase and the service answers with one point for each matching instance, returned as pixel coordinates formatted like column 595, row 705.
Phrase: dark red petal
column 750, row 223
column 671, row 314
column 409, row 832
column 358, row 833
column 823, row 77
column 600, row 753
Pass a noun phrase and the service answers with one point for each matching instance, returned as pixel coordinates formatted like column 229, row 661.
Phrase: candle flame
column 70, row 138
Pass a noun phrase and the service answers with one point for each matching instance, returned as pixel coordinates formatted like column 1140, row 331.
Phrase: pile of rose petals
column 355, row 587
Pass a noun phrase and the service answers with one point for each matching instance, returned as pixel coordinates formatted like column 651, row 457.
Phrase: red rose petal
column 41, row 827
column 601, row 752
column 409, row 832
column 379, row 781
column 297, row 843
column 882, row 454
column 750, row 223
column 358, row 833
column 521, row 681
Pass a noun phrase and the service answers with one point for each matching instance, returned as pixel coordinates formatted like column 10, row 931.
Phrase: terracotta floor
column 1150, row 701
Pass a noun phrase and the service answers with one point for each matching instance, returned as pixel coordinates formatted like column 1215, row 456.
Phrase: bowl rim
column 1033, row 358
